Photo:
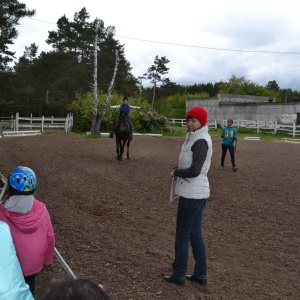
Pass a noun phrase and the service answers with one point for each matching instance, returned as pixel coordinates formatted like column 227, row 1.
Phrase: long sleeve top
column 12, row 283
column 228, row 134
column 33, row 236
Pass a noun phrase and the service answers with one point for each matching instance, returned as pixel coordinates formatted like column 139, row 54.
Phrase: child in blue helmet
column 29, row 223
column 124, row 110
column 229, row 139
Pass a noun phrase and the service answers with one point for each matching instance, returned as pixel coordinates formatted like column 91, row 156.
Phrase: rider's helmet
column 21, row 181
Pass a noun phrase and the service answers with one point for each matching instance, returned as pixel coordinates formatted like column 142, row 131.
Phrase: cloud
column 205, row 41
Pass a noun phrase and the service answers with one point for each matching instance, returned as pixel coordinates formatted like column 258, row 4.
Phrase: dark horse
column 123, row 137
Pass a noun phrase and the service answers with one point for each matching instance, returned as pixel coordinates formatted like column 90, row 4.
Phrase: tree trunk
column 100, row 119
column 95, row 85
column 154, row 91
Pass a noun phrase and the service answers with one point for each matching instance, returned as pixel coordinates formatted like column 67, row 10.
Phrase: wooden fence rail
column 182, row 122
column 18, row 124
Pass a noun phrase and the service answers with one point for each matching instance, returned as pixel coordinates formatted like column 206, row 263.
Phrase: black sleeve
column 199, row 149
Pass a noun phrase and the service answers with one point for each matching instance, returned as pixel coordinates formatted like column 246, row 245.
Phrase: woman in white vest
column 192, row 187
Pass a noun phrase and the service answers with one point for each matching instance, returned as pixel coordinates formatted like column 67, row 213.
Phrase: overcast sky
column 205, row 41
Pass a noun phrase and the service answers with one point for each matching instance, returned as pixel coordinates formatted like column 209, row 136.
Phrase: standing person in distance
column 192, row 186
column 229, row 139
column 124, row 110
column 29, row 223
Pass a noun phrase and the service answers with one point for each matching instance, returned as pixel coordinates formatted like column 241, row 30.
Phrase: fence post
column 257, row 126
column 17, row 122
column 66, row 123
column 12, row 122
column 43, row 119
column 294, row 129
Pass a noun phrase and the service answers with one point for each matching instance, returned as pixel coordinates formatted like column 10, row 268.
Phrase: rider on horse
column 124, row 110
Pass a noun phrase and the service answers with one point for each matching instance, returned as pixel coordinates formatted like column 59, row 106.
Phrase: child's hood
column 31, row 221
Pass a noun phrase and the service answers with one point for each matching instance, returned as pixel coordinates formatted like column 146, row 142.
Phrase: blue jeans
column 189, row 229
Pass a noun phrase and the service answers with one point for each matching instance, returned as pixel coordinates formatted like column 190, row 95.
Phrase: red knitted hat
column 198, row 113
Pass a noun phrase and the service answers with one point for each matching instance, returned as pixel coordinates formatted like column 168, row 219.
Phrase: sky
column 205, row 41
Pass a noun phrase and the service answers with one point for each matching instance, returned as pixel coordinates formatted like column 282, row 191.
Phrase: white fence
column 182, row 122
column 18, row 124
column 291, row 129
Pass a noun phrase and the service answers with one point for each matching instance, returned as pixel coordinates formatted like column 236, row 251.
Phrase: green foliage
column 65, row 72
column 151, row 121
column 155, row 73
column 288, row 95
column 242, row 86
column 157, row 70
column 273, row 86
column 175, row 106
column 82, row 108
column 11, row 11
column 68, row 71
column 77, row 38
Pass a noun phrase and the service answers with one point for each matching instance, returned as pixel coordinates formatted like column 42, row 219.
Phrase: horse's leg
column 118, row 149
column 128, row 144
column 121, row 149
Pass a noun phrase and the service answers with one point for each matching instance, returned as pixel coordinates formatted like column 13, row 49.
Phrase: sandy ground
column 114, row 225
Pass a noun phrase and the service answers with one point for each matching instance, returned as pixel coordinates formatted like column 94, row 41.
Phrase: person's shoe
column 196, row 280
column 222, row 168
column 234, row 169
column 111, row 136
column 171, row 279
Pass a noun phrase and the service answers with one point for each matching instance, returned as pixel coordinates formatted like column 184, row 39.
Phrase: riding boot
column 111, row 135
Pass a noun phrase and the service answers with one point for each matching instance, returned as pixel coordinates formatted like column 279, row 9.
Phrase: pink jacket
column 33, row 236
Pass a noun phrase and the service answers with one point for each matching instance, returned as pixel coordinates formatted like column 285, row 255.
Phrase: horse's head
column 123, row 126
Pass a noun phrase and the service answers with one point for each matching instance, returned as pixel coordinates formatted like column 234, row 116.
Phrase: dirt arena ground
column 114, row 225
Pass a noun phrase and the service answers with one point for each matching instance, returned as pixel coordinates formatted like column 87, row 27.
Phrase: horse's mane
column 123, row 126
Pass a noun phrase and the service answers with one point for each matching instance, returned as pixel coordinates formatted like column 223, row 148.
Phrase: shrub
column 151, row 121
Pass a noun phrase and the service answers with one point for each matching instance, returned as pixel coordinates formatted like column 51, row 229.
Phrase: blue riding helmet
column 22, row 181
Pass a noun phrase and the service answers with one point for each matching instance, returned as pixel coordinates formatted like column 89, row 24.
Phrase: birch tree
column 96, row 122
column 95, row 84
column 110, row 89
